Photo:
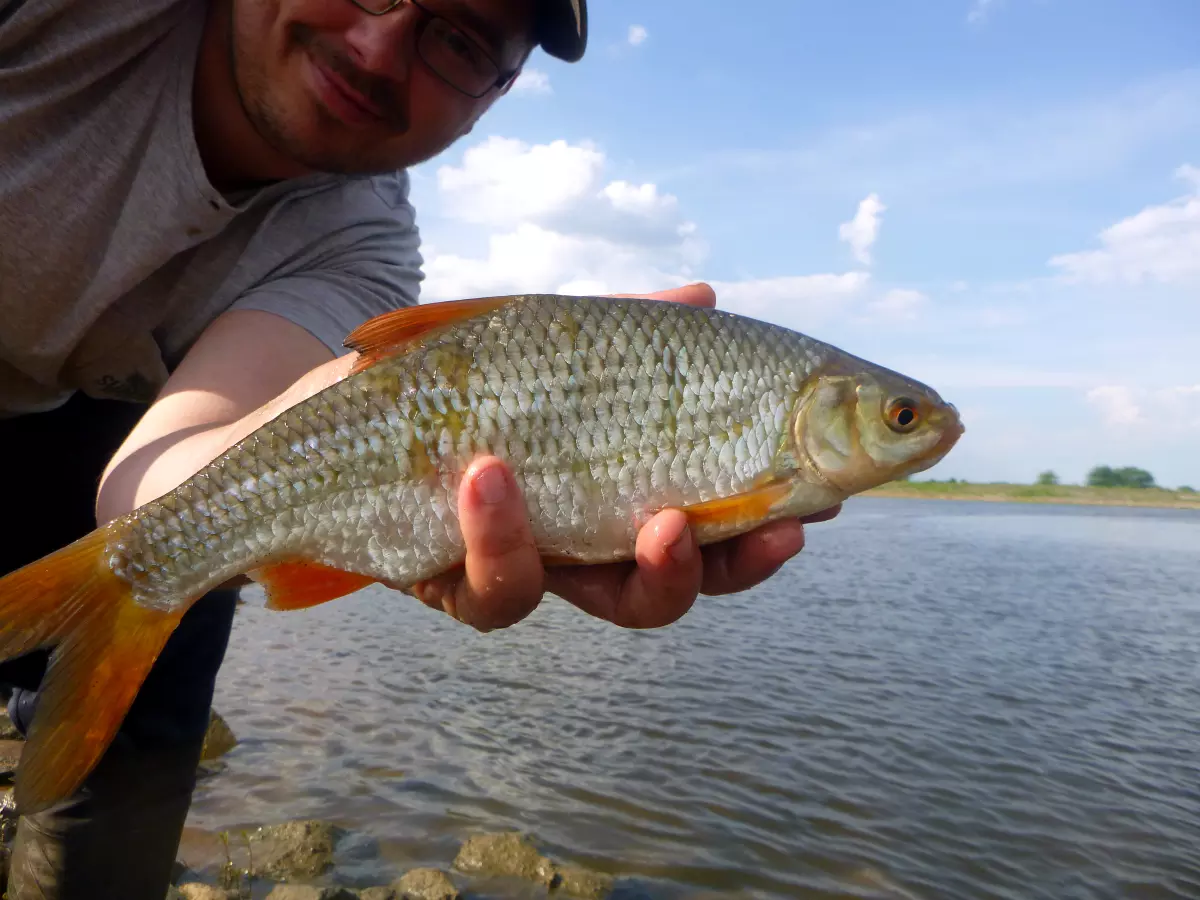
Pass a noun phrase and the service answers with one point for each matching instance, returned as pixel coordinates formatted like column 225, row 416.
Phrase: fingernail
column 681, row 548
column 491, row 486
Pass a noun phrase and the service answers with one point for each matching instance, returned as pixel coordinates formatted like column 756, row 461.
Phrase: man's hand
column 503, row 579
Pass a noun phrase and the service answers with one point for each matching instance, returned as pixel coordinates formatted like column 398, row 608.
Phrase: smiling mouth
column 343, row 101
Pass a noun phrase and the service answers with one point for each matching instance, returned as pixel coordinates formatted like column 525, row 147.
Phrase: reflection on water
column 934, row 700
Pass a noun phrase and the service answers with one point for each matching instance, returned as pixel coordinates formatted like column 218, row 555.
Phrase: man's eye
column 461, row 46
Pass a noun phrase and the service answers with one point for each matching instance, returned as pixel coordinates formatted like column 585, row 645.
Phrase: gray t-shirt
column 115, row 250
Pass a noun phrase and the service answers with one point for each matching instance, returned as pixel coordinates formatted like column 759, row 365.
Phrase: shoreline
column 1070, row 495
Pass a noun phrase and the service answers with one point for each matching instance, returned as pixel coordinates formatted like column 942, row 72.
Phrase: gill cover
column 862, row 430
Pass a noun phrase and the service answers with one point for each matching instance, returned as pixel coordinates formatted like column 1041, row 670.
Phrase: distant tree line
column 1125, row 477
column 1108, row 476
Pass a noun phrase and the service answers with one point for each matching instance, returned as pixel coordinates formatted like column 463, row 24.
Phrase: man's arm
column 250, row 365
column 245, row 369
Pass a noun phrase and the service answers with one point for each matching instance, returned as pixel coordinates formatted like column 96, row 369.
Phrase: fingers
column 746, row 560
column 699, row 294
column 823, row 516
column 656, row 591
column 502, row 578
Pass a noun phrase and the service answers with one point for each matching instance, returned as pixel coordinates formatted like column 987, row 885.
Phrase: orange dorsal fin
column 299, row 583
column 385, row 334
column 745, row 510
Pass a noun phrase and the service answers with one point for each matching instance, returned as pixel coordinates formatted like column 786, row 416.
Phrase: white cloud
column 798, row 301
column 532, row 81
column 551, row 221
column 861, row 231
column 1167, row 409
column 898, row 304
column 1116, row 404
column 1159, row 244
column 504, row 181
column 637, row 35
column 639, row 199
column 980, row 10
column 531, row 258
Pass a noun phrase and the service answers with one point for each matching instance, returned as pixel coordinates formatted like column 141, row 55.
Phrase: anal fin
column 301, row 583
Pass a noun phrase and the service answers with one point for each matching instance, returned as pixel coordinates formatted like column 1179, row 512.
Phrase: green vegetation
column 1106, row 486
column 1129, row 477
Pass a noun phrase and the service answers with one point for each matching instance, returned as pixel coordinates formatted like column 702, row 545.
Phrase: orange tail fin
column 104, row 646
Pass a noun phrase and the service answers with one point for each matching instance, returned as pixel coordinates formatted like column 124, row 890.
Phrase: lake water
column 934, row 700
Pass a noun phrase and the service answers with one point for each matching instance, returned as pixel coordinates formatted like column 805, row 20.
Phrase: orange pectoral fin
column 385, row 334
column 744, row 510
column 299, row 584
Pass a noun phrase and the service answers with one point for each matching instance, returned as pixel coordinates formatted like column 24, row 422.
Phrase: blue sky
column 1000, row 198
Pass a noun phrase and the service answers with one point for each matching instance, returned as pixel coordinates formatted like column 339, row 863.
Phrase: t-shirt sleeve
column 368, row 265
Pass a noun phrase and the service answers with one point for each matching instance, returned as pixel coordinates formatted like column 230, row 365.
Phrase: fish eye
column 903, row 415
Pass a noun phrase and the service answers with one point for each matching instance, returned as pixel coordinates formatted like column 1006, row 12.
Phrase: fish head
column 860, row 428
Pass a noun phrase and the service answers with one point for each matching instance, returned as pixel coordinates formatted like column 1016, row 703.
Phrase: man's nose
column 385, row 45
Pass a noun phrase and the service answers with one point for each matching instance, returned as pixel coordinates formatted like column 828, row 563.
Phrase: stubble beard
column 269, row 117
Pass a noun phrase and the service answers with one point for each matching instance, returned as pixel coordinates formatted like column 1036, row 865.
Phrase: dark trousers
column 118, row 836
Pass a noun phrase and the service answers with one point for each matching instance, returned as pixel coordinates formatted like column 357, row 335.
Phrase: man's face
column 338, row 90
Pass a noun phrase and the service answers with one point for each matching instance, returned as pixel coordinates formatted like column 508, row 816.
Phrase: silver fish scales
column 607, row 410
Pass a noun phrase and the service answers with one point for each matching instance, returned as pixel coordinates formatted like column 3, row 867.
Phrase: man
column 199, row 199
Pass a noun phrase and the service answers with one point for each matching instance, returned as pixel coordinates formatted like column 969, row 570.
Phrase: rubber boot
column 118, row 836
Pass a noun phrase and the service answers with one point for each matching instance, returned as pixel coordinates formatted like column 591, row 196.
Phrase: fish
column 608, row 410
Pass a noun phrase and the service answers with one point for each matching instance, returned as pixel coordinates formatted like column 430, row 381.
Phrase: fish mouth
column 951, row 433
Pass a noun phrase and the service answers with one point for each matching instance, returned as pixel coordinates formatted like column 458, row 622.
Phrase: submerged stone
column 506, row 853
column 290, row 850
column 582, row 883
column 309, row 892
column 197, row 891
column 425, row 884
column 218, row 739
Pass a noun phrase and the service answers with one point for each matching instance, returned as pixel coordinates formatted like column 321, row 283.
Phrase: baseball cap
column 562, row 28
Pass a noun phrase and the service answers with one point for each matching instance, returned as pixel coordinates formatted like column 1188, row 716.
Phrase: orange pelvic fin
column 385, row 334
column 299, row 583
column 740, row 511
column 104, row 645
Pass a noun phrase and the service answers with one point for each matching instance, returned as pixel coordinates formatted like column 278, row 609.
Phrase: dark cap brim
column 562, row 28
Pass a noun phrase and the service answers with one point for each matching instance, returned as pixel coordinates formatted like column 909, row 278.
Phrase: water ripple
column 934, row 700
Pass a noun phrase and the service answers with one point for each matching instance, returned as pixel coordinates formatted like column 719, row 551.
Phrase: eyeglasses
column 453, row 55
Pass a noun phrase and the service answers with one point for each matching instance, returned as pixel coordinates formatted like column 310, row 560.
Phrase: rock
column 308, row 892
column 218, row 739
column 300, row 849
column 583, row 883
column 425, row 884
column 8, row 731
column 8, row 818
column 10, row 755
column 505, row 853
column 378, row 893
column 196, row 891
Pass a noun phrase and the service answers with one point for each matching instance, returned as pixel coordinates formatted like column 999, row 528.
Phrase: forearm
column 196, row 419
